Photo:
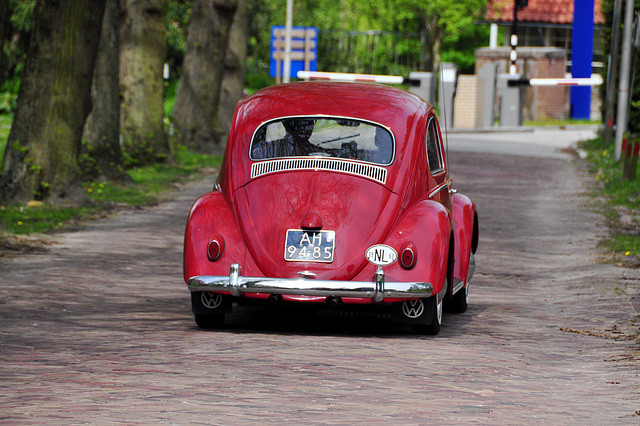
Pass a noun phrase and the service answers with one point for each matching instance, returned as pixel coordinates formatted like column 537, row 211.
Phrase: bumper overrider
column 377, row 290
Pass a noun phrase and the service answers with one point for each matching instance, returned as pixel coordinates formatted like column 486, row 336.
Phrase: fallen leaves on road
column 613, row 333
column 14, row 244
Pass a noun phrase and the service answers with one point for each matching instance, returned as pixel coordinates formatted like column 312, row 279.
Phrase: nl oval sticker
column 381, row 255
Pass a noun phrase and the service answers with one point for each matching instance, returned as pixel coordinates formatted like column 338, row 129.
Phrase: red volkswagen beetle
column 335, row 194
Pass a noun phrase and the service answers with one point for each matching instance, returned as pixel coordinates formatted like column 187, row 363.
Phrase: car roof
column 402, row 112
column 383, row 104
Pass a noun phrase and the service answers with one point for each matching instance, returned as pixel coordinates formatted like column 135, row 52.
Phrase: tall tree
column 436, row 20
column 101, row 154
column 195, row 110
column 234, row 70
column 431, row 41
column 142, row 56
column 41, row 156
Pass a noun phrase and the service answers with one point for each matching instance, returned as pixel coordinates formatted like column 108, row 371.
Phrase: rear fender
column 211, row 216
column 465, row 234
column 428, row 226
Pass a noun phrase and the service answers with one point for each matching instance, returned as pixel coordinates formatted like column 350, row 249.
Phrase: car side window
column 434, row 153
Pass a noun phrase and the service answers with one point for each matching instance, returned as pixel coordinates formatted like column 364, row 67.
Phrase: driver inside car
column 295, row 142
column 297, row 137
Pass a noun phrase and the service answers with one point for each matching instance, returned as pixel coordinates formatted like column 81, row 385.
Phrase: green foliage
column 39, row 218
column 178, row 16
column 624, row 244
column 22, row 14
column 170, row 90
column 5, row 128
column 8, row 102
column 87, row 164
column 257, row 76
column 616, row 191
column 15, row 46
column 348, row 43
column 151, row 182
column 460, row 48
column 561, row 122
column 634, row 112
column 608, row 173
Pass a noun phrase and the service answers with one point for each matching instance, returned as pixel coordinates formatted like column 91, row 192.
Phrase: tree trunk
column 41, row 157
column 142, row 58
column 424, row 52
column 195, row 110
column 438, row 37
column 234, row 71
column 432, row 43
column 101, row 156
column 4, row 29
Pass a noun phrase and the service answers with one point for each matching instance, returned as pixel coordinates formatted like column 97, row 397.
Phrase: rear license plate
column 309, row 246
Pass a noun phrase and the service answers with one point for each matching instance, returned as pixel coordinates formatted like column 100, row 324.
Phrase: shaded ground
column 99, row 329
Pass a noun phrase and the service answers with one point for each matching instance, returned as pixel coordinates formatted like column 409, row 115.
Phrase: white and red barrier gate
column 555, row 82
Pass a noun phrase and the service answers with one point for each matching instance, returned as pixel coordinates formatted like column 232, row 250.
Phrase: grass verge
column 151, row 183
column 560, row 123
column 621, row 205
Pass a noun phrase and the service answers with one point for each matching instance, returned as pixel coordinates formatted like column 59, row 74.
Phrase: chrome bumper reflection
column 376, row 290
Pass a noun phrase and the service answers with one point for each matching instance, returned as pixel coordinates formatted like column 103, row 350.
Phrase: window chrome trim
column 439, row 188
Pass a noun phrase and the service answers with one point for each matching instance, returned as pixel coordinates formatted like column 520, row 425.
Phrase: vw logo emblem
column 211, row 300
column 412, row 308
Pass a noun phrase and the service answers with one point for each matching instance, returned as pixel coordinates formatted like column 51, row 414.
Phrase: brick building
column 544, row 50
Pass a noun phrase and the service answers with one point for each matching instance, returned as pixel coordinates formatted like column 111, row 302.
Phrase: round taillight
column 215, row 249
column 408, row 255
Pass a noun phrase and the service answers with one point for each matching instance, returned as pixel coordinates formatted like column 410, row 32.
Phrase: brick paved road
column 100, row 331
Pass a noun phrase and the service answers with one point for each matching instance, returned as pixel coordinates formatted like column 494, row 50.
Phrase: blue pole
column 581, row 57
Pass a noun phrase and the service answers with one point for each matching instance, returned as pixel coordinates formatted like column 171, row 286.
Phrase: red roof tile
column 541, row 11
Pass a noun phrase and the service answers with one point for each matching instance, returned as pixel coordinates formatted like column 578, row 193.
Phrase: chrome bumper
column 376, row 290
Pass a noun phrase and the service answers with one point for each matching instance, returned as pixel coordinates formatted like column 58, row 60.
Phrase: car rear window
column 324, row 137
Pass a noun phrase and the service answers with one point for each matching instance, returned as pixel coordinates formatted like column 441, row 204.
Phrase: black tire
column 459, row 301
column 209, row 309
column 209, row 321
column 435, row 321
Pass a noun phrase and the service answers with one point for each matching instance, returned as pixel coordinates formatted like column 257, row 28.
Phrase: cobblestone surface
column 100, row 331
